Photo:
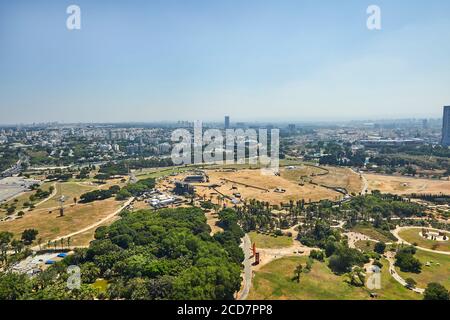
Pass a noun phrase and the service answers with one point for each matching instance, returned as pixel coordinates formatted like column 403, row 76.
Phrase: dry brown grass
column 51, row 226
column 212, row 220
column 342, row 178
column 406, row 185
column 294, row 191
column 83, row 239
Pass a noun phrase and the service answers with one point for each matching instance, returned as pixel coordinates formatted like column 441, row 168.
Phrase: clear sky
column 201, row 59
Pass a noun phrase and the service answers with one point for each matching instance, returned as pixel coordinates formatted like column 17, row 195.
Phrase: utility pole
column 61, row 203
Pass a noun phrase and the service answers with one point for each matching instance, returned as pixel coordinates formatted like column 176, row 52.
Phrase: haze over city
column 257, row 60
column 225, row 158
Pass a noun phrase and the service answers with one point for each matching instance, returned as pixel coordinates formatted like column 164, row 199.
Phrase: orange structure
column 254, row 249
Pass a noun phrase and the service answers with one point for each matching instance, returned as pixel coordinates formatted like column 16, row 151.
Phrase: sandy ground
column 212, row 220
column 262, row 187
column 406, row 185
column 343, row 178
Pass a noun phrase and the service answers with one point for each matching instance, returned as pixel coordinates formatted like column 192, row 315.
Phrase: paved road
column 248, row 274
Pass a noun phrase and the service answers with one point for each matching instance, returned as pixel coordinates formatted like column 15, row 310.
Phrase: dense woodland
column 8, row 157
column 165, row 254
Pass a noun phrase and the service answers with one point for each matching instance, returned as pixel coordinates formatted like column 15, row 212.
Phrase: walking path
column 396, row 234
column 354, row 237
column 390, row 256
column 96, row 224
column 16, row 215
column 248, row 273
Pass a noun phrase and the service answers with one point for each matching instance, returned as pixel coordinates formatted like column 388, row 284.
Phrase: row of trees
column 133, row 189
column 96, row 195
column 122, row 167
column 8, row 243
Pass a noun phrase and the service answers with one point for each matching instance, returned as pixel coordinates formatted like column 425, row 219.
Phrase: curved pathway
column 248, row 273
column 354, row 237
column 96, row 224
column 396, row 234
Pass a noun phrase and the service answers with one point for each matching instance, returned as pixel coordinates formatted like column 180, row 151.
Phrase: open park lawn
column 374, row 234
column 412, row 236
column 438, row 271
column 70, row 190
column 20, row 200
column 342, row 178
column 275, row 281
column 365, row 246
column 270, row 241
column 51, row 225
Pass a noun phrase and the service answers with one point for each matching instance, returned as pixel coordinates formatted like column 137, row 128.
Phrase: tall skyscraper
column 227, row 122
column 446, row 127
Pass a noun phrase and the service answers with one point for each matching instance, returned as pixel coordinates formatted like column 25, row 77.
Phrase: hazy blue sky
column 201, row 59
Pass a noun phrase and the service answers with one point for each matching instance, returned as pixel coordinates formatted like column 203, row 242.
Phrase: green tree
column 436, row 291
column 29, row 235
column 380, row 247
column 14, row 286
column 297, row 273
column 410, row 283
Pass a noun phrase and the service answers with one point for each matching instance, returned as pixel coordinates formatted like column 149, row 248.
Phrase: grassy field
column 274, row 281
column 365, row 246
column 159, row 172
column 412, row 236
column 270, row 242
column 84, row 238
column 301, row 173
column 50, row 225
column 342, row 178
column 19, row 201
column 434, row 273
column 374, row 233
column 69, row 190
column 391, row 289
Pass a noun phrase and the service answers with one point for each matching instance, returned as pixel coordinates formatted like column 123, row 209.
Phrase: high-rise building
column 446, row 127
column 291, row 127
column 227, row 122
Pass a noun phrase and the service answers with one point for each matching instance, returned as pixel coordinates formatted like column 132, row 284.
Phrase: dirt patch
column 252, row 184
column 50, row 225
column 406, row 185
